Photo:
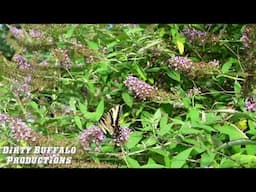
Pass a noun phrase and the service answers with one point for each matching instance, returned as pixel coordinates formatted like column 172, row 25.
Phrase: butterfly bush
column 4, row 119
column 200, row 37
column 21, row 62
column 18, row 33
column 19, row 129
column 36, row 34
column 23, row 89
column 250, row 104
column 123, row 137
column 91, row 135
column 191, row 68
column 144, row 91
column 183, row 64
column 248, row 37
column 141, row 89
column 194, row 35
column 63, row 58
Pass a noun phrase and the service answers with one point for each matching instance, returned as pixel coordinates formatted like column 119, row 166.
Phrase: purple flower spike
column 91, row 135
column 250, row 104
column 141, row 89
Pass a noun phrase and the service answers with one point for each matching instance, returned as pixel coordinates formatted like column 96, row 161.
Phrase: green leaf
column 247, row 161
column 132, row 163
column 173, row 74
column 72, row 104
column 156, row 118
column 186, row 102
column 3, row 143
column 146, row 120
column 179, row 160
column 187, row 129
column 100, row 109
column 70, row 32
column 226, row 66
column 207, row 159
column 202, row 126
column 237, row 88
column 180, row 45
column 161, row 152
column 232, row 131
column 134, row 139
column 82, row 108
column 250, row 149
column 112, row 44
column 94, row 116
column 194, row 115
column 92, row 45
column 153, row 165
column 167, row 162
column 150, row 161
column 212, row 118
column 228, row 163
column 34, row 105
column 127, row 99
column 153, row 69
column 78, row 122
column 142, row 74
column 150, row 141
column 164, row 126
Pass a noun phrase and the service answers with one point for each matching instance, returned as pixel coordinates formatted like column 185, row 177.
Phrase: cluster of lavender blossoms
column 19, row 129
column 123, row 137
column 250, row 104
column 36, row 34
column 18, row 33
column 183, row 64
column 194, row 35
column 21, row 62
column 4, row 119
column 141, row 89
column 23, row 89
column 64, row 59
column 193, row 69
column 246, row 37
column 91, row 135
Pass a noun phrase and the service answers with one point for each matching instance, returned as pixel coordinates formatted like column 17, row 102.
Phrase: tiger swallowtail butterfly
column 109, row 122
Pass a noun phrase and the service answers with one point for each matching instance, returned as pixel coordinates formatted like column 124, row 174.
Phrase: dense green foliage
column 195, row 87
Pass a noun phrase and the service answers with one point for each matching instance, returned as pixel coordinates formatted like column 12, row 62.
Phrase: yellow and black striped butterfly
column 109, row 123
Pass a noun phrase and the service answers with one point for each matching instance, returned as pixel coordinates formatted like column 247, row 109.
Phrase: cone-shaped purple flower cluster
column 194, row 35
column 193, row 69
column 35, row 34
column 20, row 130
column 4, row 119
column 246, row 37
column 21, row 62
column 64, row 59
column 23, row 89
column 183, row 64
column 123, row 137
column 91, row 135
column 141, row 89
column 18, row 33
column 250, row 104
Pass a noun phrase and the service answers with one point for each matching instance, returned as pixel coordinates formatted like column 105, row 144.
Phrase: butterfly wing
column 110, row 121
column 105, row 124
column 115, row 111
